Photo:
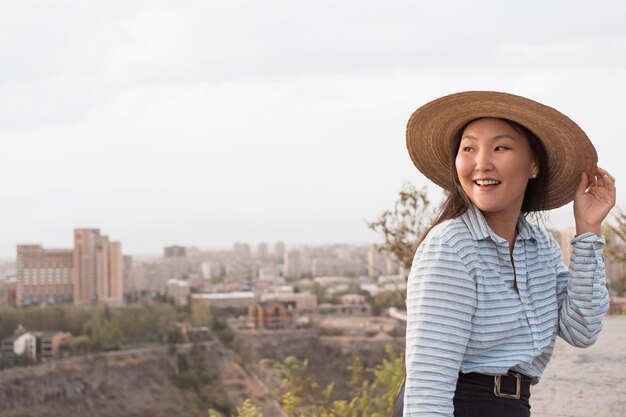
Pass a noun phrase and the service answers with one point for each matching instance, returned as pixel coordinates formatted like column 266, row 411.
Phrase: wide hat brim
column 433, row 127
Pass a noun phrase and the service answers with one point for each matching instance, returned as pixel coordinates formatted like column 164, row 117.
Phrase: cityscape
column 252, row 301
column 96, row 272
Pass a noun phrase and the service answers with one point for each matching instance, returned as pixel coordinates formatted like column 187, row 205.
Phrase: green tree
column 389, row 376
column 320, row 292
column 301, row 397
column 385, row 300
column 356, row 381
column 295, row 380
column 67, row 318
column 201, row 315
column 80, row 345
column 402, row 226
column 247, row 409
column 104, row 334
column 401, row 229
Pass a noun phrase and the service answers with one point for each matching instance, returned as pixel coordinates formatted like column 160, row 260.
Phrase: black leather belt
column 511, row 385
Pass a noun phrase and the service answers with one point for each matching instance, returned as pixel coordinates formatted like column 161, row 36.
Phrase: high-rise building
column 174, row 251
column 292, row 267
column 98, row 269
column 324, row 267
column 241, row 251
column 279, row 250
column 127, row 261
column 85, row 249
column 375, row 263
column 261, row 250
column 381, row 263
column 115, row 283
column 43, row 276
column 85, row 268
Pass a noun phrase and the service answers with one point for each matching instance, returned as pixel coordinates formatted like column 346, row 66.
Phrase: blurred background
column 190, row 187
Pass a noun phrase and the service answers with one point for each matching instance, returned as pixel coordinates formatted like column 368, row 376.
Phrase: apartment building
column 43, row 275
column 89, row 274
column 98, row 269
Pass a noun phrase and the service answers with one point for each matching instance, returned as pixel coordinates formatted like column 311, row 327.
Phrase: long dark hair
column 457, row 202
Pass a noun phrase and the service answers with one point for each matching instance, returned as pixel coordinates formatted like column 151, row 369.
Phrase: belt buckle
column 518, row 386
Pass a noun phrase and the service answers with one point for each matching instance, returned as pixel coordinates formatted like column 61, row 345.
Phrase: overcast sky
column 205, row 123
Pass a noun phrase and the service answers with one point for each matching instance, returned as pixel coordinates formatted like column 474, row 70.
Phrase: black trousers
column 474, row 397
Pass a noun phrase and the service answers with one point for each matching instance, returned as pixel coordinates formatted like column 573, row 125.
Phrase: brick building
column 98, row 269
column 272, row 315
column 89, row 274
column 44, row 275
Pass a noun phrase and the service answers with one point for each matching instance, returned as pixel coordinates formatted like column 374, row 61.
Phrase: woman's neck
column 504, row 226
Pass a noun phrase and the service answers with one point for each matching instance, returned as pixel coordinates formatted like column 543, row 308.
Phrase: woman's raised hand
column 594, row 199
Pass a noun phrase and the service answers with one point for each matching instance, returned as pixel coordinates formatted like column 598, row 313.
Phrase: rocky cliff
column 328, row 356
column 163, row 381
column 133, row 383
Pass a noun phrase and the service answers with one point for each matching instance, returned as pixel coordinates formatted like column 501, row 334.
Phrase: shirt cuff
column 589, row 240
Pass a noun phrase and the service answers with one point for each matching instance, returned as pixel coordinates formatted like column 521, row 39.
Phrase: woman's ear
column 534, row 170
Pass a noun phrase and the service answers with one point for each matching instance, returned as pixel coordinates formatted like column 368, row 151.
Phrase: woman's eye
column 467, row 149
column 500, row 148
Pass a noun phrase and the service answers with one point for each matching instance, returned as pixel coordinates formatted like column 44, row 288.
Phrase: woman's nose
column 484, row 161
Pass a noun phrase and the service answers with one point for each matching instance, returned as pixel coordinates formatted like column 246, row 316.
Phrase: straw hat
column 432, row 128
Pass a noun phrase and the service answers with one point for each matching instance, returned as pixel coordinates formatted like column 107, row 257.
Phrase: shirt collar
column 479, row 228
column 524, row 229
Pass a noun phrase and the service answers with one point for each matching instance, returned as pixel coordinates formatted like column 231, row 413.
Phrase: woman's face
column 494, row 164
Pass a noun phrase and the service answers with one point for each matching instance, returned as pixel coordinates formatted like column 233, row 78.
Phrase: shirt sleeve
column 581, row 291
column 441, row 300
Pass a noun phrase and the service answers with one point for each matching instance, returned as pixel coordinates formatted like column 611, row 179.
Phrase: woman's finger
column 583, row 184
column 600, row 179
column 605, row 172
column 610, row 182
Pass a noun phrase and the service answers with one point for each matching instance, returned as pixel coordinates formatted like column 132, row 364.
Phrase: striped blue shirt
column 463, row 313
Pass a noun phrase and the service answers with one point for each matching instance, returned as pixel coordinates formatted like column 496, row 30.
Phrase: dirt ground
column 585, row 382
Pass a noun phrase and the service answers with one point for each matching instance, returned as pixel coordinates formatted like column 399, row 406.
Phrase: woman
column 488, row 292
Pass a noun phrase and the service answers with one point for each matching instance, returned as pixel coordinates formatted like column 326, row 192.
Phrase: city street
column 585, row 382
